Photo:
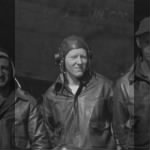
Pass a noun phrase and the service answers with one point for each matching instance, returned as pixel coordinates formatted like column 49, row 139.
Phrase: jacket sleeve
column 49, row 119
column 108, row 95
column 37, row 130
column 121, row 114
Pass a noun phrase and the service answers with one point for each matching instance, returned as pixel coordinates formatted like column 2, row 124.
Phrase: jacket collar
column 136, row 73
column 20, row 95
column 60, row 83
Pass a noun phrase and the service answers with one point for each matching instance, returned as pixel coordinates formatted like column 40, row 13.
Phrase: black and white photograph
column 74, row 74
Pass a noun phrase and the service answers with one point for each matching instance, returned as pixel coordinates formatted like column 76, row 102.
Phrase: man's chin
column 79, row 75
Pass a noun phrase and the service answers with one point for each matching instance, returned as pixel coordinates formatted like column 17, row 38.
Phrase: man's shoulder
column 125, row 82
column 126, row 78
column 102, row 79
column 25, row 96
column 50, row 91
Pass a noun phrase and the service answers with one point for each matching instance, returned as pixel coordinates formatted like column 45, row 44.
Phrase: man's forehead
column 77, row 51
column 4, row 60
column 3, row 54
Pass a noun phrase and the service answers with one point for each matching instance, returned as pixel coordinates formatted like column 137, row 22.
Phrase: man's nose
column 79, row 60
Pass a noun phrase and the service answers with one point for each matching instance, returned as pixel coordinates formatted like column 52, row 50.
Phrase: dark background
column 7, row 25
column 32, row 30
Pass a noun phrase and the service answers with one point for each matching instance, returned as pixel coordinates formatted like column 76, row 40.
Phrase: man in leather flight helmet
column 71, row 42
column 76, row 108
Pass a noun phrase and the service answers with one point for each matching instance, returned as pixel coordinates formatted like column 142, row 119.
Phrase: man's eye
column 73, row 57
column 5, row 68
column 84, row 57
column 147, row 42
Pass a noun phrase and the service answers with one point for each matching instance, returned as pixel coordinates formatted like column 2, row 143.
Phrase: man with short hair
column 76, row 107
column 21, row 125
column 131, row 121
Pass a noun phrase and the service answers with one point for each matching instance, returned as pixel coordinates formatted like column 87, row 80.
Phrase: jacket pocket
column 99, row 127
column 20, row 142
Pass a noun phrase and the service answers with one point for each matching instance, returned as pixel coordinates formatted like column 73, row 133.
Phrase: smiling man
column 21, row 124
column 76, row 107
column 4, row 73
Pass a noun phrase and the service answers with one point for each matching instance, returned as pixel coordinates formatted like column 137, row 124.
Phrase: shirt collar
column 60, row 83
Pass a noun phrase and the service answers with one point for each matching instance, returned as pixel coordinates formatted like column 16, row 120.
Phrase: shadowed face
column 4, row 72
column 145, row 46
column 76, row 62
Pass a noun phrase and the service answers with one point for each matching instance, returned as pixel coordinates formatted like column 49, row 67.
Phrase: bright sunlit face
column 76, row 62
column 4, row 72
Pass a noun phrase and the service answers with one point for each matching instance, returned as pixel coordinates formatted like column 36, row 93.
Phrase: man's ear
column 138, row 42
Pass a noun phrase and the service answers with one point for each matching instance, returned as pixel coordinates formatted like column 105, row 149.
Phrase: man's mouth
column 78, row 69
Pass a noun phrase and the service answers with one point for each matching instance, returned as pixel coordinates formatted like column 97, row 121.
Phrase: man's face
column 4, row 72
column 145, row 45
column 76, row 62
